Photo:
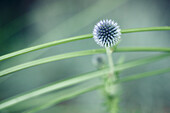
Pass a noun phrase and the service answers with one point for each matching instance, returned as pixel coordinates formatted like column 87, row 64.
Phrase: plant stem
column 65, row 97
column 51, row 87
column 143, row 75
column 81, row 37
column 110, row 87
column 110, row 61
column 161, row 28
column 81, row 78
column 75, row 54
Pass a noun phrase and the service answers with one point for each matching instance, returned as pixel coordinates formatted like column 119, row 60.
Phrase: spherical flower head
column 106, row 33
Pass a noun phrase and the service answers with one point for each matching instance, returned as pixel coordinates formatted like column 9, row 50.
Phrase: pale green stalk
column 52, row 87
column 58, row 85
column 63, row 98
column 71, row 55
column 111, row 65
column 143, row 75
column 110, row 87
column 87, row 36
column 82, row 91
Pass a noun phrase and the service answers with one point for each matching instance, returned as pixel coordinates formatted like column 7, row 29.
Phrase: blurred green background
column 25, row 23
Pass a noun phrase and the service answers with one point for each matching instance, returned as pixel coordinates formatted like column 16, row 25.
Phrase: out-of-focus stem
column 110, row 87
column 110, row 61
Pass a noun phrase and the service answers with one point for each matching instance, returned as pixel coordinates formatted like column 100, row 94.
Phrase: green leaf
column 140, row 62
column 46, row 45
column 66, row 96
column 69, row 96
column 52, row 87
column 58, row 85
column 71, row 55
column 163, row 28
column 142, row 49
column 52, row 34
column 143, row 75
column 49, row 59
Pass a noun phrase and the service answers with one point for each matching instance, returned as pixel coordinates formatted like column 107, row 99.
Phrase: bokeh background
column 25, row 23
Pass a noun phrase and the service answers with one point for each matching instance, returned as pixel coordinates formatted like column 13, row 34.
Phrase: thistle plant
column 107, row 34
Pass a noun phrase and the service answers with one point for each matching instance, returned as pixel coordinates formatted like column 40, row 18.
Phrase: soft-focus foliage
column 26, row 23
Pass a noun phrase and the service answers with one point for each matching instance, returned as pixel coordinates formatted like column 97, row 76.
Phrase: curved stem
column 63, row 98
column 49, row 59
column 71, row 55
column 58, row 85
column 143, row 75
column 42, row 46
column 142, row 49
column 51, row 87
column 162, row 28
column 87, row 36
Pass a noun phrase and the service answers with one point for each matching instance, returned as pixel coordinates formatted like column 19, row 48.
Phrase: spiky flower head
column 106, row 33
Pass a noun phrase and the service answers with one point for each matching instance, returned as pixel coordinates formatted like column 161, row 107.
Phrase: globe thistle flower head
column 106, row 33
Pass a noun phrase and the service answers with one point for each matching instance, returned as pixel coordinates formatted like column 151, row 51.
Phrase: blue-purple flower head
column 106, row 33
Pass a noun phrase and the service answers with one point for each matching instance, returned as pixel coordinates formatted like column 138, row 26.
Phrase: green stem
column 70, row 55
column 143, row 75
column 142, row 49
column 87, row 36
column 110, row 87
column 110, row 61
column 58, row 85
column 63, row 98
column 48, row 59
column 46, row 45
column 51, row 87
column 82, row 91
column 163, row 28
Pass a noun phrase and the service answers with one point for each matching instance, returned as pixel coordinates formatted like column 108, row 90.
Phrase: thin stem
column 142, row 49
column 71, row 55
column 51, row 87
column 110, row 61
column 63, row 98
column 58, row 85
column 143, row 75
column 82, row 91
column 81, row 37
column 162, row 28
column 110, row 87
column 48, row 59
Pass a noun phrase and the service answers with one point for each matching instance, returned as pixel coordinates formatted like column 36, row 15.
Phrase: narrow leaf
column 87, row 36
column 65, row 97
column 163, row 28
column 141, row 62
column 46, row 45
column 58, row 85
column 142, row 49
column 71, row 55
column 143, row 75
column 49, row 59
column 52, row 87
